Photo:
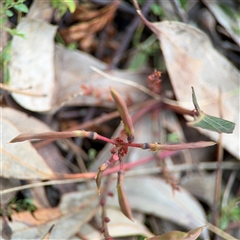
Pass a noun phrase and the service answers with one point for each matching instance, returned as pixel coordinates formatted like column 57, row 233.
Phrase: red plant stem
column 126, row 166
column 142, row 161
column 120, row 162
column 112, row 141
column 105, row 139
column 103, row 201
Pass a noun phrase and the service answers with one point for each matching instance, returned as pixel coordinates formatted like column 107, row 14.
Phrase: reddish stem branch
column 126, row 166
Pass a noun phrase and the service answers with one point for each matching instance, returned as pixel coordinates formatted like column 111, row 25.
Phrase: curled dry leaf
column 51, row 135
column 47, row 235
column 176, row 147
column 93, row 22
column 122, row 198
column 229, row 22
column 73, row 212
column 124, row 114
column 191, row 60
column 120, row 226
column 177, row 235
column 151, row 195
column 102, row 168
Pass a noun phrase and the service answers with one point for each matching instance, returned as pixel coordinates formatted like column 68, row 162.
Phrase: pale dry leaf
column 154, row 196
column 49, row 153
column 8, row 183
column 39, row 217
column 24, row 122
column 66, row 224
column 37, row 65
column 191, row 60
column 205, row 186
column 230, row 23
column 32, row 63
column 65, row 227
column 89, row 232
column 120, row 226
column 41, row 10
column 21, row 160
column 92, row 88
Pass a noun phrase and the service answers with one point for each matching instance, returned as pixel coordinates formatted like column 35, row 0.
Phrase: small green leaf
column 209, row 122
column 138, row 61
column 157, row 9
column 212, row 123
column 21, row 8
column 6, row 75
column 98, row 180
column 3, row 20
column 9, row 13
column 15, row 32
column 71, row 5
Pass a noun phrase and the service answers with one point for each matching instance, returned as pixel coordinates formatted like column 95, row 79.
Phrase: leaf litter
column 73, row 83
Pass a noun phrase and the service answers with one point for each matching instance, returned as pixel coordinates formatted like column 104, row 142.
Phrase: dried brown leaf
column 191, row 60
column 122, row 198
column 177, row 235
column 21, row 161
column 180, row 146
column 52, row 65
column 125, row 116
column 47, row 235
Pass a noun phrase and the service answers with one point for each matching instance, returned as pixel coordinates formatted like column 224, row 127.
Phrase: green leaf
column 15, row 32
column 6, row 75
column 9, row 13
column 138, row 61
column 72, row 46
column 21, row 8
column 71, row 5
column 209, row 122
column 3, row 20
column 157, row 9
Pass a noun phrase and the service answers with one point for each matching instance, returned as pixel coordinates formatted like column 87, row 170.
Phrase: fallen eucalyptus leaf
column 150, row 195
column 120, row 226
column 20, row 161
column 229, row 22
column 75, row 210
column 63, row 76
column 32, row 65
column 191, row 60
column 47, row 235
column 178, row 235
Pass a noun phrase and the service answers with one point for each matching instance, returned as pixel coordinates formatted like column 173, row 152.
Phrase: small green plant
column 231, row 213
column 70, row 46
column 63, row 5
column 6, row 11
column 20, row 205
column 5, row 57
